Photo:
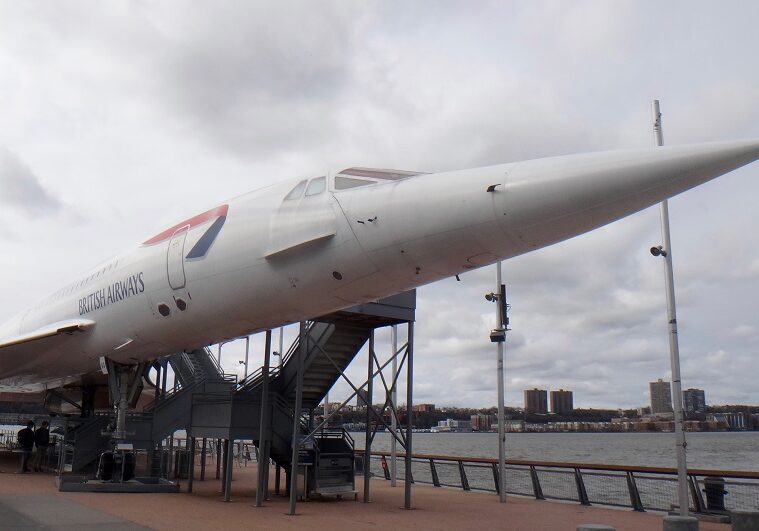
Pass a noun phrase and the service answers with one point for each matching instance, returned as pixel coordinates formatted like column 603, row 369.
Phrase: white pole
column 247, row 350
column 281, row 354
column 394, row 401
column 499, row 375
column 674, row 348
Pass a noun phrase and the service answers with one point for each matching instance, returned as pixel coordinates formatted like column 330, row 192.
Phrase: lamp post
column 222, row 343
column 498, row 336
column 674, row 348
column 247, row 351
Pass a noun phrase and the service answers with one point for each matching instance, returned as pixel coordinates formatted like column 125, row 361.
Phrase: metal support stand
column 674, row 348
column 368, row 404
column 409, row 414
column 301, row 353
column 263, row 443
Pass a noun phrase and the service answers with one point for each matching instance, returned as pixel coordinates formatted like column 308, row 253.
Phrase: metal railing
column 255, row 379
column 639, row 488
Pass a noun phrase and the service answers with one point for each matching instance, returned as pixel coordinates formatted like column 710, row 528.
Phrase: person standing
column 25, row 440
column 41, row 442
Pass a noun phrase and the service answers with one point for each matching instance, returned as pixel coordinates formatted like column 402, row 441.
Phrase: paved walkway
column 51, row 512
column 35, row 504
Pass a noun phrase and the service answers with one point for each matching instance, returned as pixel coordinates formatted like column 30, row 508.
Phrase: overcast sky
column 117, row 118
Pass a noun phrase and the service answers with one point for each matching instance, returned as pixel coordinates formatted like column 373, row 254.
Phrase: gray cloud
column 21, row 188
column 150, row 109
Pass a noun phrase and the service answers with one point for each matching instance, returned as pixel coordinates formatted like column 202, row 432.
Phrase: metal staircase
column 196, row 372
column 332, row 346
column 209, row 404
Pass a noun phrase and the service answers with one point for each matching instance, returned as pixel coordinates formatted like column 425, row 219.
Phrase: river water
column 712, row 450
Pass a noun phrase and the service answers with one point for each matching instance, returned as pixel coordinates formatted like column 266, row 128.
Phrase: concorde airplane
column 300, row 249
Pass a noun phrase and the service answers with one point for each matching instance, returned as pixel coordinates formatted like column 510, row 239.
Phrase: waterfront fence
column 639, row 488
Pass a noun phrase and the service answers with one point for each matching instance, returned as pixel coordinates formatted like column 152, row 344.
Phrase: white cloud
column 133, row 114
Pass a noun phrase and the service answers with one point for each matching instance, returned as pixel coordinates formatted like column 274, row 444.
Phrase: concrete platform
column 32, row 499
column 72, row 483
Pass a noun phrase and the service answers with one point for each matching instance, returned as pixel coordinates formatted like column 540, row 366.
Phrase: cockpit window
column 345, row 183
column 316, row 186
column 296, row 192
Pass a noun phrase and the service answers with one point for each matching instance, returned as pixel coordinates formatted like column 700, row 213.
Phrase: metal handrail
column 590, row 466
column 255, row 379
column 638, row 487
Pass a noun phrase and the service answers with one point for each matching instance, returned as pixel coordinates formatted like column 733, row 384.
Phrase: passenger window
column 316, row 186
column 345, row 183
column 296, row 192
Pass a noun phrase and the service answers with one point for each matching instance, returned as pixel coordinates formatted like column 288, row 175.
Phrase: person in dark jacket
column 26, row 442
column 41, row 442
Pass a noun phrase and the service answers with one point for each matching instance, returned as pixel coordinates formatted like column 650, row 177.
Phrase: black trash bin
column 714, row 488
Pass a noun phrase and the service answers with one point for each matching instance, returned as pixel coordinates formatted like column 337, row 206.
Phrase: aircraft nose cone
column 549, row 200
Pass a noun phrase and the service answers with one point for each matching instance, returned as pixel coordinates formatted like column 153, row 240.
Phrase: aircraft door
column 175, row 258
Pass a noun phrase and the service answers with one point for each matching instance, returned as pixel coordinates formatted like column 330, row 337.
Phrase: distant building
column 561, row 402
column 423, row 408
column 661, row 397
column 452, row 425
column 694, row 401
column 481, row 422
column 735, row 420
column 536, row 401
column 362, row 397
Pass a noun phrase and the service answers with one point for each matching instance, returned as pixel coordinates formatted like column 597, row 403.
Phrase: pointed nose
column 549, row 200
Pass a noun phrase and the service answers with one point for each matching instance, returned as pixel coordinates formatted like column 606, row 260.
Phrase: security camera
column 658, row 251
column 491, row 297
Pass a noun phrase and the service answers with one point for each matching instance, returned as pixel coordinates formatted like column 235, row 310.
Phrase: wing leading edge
column 62, row 327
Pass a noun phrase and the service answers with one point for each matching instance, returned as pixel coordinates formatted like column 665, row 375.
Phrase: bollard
column 714, row 488
column 594, row 527
column 680, row 523
column 745, row 520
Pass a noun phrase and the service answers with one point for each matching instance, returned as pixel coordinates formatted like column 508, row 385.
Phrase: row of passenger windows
column 77, row 285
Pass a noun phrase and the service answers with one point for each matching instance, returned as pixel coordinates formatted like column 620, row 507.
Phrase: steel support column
column 409, row 412
column 263, row 459
column 368, row 403
column 394, row 402
column 191, row 471
column 228, row 462
column 203, row 459
column 301, row 353
column 218, row 458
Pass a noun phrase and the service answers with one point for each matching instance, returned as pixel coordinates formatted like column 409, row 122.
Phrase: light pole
column 247, row 350
column 665, row 251
column 222, row 343
column 499, row 336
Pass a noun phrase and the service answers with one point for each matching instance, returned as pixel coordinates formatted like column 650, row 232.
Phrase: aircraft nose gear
column 125, row 383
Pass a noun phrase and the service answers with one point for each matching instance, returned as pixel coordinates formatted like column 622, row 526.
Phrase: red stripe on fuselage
column 192, row 222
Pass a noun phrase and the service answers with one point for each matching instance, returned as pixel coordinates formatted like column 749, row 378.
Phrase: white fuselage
column 263, row 260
